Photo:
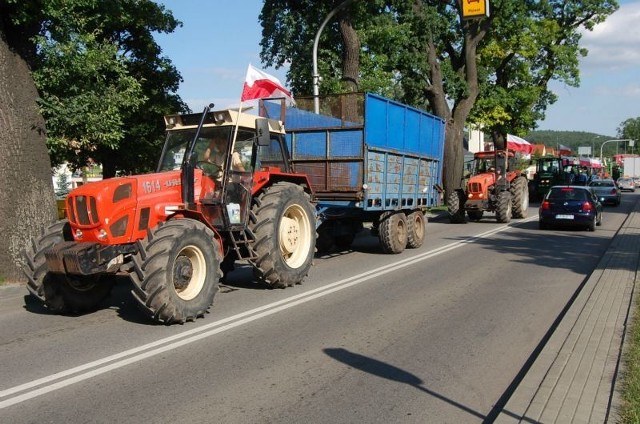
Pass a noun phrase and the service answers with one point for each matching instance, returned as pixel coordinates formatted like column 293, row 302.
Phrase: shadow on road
column 389, row 372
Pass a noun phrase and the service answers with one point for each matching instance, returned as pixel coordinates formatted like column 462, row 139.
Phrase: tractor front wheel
column 284, row 227
column 176, row 271
column 503, row 207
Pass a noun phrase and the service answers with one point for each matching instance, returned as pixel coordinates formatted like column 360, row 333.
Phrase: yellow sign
column 475, row 8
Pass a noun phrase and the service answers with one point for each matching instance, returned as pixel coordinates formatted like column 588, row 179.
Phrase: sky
column 219, row 38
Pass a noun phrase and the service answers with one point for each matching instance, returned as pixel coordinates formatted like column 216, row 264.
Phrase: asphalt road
column 436, row 334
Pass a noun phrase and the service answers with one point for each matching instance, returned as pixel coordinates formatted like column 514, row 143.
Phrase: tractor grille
column 82, row 210
column 475, row 187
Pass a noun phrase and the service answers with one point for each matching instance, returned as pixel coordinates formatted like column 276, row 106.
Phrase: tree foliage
column 630, row 129
column 493, row 71
column 103, row 86
column 103, row 82
column 288, row 36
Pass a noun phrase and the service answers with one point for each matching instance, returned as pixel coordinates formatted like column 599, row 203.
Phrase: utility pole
column 315, row 75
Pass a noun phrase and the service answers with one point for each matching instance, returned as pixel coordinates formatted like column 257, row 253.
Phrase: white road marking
column 92, row 369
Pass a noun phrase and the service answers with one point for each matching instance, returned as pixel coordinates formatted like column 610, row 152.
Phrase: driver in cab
column 216, row 155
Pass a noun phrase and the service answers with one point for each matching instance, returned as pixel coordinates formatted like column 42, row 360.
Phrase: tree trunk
column 350, row 67
column 350, row 54
column 453, row 155
column 27, row 200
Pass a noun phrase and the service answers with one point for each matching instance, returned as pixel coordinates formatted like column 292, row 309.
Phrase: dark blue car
column 571, row 206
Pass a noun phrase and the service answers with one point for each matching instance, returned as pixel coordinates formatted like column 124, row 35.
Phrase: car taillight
column 545, row 205
column 586, row 207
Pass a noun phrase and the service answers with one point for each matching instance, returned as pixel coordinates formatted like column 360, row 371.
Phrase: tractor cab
column 493, row 165
column 218, row 160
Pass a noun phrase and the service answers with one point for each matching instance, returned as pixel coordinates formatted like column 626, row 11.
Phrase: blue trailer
column 369, row 159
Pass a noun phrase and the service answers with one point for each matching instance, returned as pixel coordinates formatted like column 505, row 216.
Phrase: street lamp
column 316, row 76
column 608, row 141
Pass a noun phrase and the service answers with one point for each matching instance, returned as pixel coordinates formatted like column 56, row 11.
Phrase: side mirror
column 262, row 132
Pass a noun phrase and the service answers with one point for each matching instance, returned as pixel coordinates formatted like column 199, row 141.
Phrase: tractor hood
column 119, row 210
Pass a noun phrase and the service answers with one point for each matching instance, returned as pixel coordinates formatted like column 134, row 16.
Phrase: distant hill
column 572, row 139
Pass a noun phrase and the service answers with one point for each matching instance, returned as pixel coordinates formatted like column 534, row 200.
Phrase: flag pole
column 235, row 130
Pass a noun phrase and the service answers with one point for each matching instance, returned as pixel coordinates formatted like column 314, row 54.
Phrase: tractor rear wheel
column 393, row 232
column 416, row 229
column 284, row 227
column 455, row 206
column 520, row 197
column 176, row 271
column 503, row 207
column 35, row 268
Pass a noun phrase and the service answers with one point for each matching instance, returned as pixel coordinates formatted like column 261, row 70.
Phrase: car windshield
column 567, row 193
column 601, row 183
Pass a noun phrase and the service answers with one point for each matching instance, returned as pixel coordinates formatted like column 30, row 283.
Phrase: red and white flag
column 518, row 144
column 259, row 85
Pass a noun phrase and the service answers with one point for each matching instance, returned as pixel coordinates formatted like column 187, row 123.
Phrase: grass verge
column 630, row 412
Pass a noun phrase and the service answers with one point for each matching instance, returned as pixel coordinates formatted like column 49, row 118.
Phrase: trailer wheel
column 520, row 197
column 35, row 268
column 176, row 271
column 393, row 232
column 285, row 235
column 503, row 209
column 71, row 294
column 416, row 229
column 455, row 206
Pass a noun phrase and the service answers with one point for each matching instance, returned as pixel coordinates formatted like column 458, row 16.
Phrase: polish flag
column 518, row 144
column 259, row 85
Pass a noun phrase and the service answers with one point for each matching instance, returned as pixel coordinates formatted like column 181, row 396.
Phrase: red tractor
column 494, row 185
column 223, row 191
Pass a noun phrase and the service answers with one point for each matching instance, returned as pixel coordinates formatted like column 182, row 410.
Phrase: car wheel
column 592, row 225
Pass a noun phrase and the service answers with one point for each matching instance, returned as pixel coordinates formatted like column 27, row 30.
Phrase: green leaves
column 86, row 90
column 103, row 83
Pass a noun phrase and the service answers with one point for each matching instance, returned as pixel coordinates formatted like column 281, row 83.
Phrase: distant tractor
column 495, row 185
column 550, row 171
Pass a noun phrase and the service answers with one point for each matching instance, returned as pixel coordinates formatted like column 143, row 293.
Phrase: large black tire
column 177, row 271
column 455, row 206
column 76, row 294
column 284, row 227
column 520, row 197
column 35, row 268
column 416, row 224
column 503, row 207
column 393, row 232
